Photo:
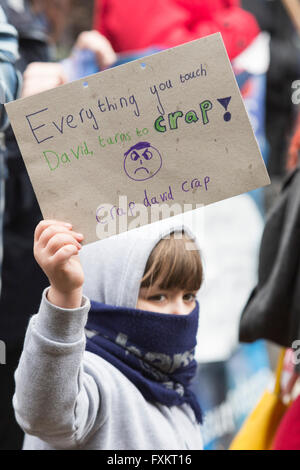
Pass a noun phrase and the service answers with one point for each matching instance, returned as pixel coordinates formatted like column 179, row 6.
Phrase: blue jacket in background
column 9, row 78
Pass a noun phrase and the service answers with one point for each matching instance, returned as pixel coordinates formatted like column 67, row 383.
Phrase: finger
column 51, row 231
column 45, row 224
column 59, row 240
column 64, row 254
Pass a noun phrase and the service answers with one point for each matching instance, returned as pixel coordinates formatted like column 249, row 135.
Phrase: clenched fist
column 56, row 248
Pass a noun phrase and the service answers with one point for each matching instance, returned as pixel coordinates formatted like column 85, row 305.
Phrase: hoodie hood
column 114, row 267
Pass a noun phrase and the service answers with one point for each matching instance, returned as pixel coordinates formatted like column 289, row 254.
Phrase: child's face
column 176, row 301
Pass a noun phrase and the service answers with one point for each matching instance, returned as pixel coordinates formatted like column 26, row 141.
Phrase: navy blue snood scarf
column 154, row 351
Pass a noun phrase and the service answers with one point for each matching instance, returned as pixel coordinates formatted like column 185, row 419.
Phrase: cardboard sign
column 140, row 142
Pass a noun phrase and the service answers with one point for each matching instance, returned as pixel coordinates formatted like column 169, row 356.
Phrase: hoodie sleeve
column 55, row 399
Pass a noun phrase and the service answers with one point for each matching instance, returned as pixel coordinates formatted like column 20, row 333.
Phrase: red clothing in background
column 288, row 434
column 133, row 25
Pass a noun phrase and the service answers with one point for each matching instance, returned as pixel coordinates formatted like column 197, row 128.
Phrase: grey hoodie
column 114, row 267
column 68, row 398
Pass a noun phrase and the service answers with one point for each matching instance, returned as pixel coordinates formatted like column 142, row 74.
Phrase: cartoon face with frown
column 142, row 162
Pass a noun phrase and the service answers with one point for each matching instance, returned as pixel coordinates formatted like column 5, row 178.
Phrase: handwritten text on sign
column 168, row 129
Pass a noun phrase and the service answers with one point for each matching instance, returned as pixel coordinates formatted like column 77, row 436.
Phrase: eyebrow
column 138, row 146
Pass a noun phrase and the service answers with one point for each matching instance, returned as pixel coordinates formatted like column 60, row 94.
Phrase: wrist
column 61, row 325
column 69, row 300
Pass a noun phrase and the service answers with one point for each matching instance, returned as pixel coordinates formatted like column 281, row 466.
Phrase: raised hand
column 56, row 248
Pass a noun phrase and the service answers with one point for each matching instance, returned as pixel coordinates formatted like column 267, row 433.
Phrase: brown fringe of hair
column 173, row 266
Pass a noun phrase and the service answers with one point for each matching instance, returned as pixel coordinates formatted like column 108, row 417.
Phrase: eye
column 157, row 298
column 134, row 155
column 147, row 154
column 189, row 297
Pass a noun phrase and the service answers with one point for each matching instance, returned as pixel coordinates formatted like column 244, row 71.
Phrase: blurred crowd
column 262, row 38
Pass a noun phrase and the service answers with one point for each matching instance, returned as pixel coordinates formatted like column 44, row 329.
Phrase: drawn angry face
column 142, row 162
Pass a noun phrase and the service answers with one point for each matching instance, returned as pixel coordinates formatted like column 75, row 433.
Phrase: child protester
column 112, row 373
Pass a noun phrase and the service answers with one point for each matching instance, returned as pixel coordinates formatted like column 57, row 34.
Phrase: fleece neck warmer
column 154, row 351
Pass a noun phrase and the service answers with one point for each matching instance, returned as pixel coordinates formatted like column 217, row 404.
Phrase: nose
column 178, row 307
column 141, row 161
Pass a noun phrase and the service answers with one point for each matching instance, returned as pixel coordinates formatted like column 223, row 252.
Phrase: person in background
column 23, row 281
column 10, row 82
column 284, row 68
column 132, row 26
column 272, row 311
column 9, row 88
column 288, row 433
